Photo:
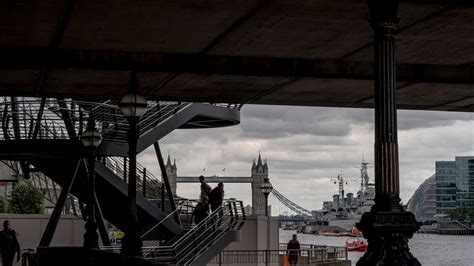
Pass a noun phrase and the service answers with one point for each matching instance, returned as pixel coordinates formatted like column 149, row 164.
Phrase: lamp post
column 133, row 106
column 266, row 190
column 387, row 226
column 91, row 139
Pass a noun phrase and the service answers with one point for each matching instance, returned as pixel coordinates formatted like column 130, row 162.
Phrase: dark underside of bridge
column 284, row 52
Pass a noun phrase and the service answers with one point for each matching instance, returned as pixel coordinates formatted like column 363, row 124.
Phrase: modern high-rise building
column 455, row 184
column 423, row 202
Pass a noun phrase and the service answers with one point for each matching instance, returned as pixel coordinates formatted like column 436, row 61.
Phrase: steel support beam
column 56, row 215
column 39, row 117
column 166, row 181
column 66, row 116
column 387, row 226
column 104, row 235
column 31, row 58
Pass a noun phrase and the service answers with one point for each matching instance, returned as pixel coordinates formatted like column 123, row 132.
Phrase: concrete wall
column 254, row 235
column 30, row 228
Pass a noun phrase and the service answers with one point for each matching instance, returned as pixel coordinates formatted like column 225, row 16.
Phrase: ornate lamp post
column 387, row 226
column 266, row 190
column 91, row 139
column 133, row 106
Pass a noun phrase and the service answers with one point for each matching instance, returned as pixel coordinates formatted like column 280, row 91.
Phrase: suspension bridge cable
column 290, row 204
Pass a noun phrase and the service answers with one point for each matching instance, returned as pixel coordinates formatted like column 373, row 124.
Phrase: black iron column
column 132, row 244
column 91, row 139
column 387, row 226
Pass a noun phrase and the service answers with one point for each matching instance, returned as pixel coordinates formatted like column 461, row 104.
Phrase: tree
column 26, row 199
column 3, row 205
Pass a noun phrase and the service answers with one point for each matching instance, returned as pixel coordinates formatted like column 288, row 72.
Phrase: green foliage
column 26, row 199
column 3, row 205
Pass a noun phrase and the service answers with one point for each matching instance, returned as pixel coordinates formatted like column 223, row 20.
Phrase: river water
column 429, row 249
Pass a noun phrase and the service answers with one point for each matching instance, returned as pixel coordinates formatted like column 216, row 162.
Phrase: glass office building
column 423, row 202
column 455, row 184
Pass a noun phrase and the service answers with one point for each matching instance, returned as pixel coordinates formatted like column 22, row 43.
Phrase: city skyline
column 308, row 146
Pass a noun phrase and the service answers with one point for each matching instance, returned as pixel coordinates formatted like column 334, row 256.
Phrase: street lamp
column 91, row 139
column 266, row 189
column 133, row 106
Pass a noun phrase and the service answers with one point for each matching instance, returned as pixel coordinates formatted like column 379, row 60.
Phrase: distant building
column 7, row 180
column 172, row 173
column 248, row 210
column 259, row 173
column 455, row 184
column 423, row 201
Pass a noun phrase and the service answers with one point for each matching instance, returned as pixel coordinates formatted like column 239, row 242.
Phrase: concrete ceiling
column 282, row 52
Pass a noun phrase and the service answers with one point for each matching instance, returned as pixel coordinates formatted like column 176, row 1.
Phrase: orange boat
column 355, row 232
column 356, row 245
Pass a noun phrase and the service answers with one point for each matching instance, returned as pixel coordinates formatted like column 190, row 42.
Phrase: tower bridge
column 215, row 179
column 259, row 172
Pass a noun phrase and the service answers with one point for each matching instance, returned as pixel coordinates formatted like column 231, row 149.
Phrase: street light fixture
column 266, row 189
column 133, row 106
column 91, row 139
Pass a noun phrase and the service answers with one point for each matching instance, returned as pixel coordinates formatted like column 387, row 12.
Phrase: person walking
column 9, row 244
column 216, row 197
column 293, row 248
column 205, row 188
column 201, row 211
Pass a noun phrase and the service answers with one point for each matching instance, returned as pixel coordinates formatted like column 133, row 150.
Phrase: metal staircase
column 43, row 135
column 199, row 244
column 34, row 123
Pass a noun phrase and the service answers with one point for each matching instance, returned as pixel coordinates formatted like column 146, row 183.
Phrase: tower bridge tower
column 171, row 171
column 259, row 173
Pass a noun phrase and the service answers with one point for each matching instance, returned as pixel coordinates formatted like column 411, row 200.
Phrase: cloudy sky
column 307, row 146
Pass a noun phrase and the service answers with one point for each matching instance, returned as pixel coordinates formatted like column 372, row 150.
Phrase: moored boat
column 356, row 245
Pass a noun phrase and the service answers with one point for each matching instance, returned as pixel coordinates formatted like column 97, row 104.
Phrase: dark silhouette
column 9, row 244
column 205, row 188
column 201, row 211
column 293, row 250
column 216, row 196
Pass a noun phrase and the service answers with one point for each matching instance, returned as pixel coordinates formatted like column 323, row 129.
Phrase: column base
column 388, row 234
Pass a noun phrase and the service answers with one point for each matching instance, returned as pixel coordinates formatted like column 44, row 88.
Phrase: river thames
column 429, row 249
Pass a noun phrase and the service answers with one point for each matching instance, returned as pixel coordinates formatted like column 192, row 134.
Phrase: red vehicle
column 356, row 245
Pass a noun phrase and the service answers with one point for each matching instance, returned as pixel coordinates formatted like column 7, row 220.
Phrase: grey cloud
column 305, row 146
column 408, row 120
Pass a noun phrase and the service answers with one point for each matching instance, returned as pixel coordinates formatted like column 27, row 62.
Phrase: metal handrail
column 178, row 208
column 112, row 123
column 196, row 240
column 306, row 256
column 154, row 185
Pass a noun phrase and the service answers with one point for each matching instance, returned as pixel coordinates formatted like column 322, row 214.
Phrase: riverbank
column 429, row 249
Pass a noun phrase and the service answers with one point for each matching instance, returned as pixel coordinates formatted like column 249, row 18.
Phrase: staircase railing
column 229, row 216
column 32, row 118
column 152, row 236
column 49, row 118
column 148, row 184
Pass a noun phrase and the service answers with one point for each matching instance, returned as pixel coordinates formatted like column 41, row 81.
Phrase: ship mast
column 340, row 181
column 364, row 177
